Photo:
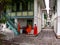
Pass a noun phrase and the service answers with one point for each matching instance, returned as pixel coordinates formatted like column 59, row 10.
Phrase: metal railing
column 11, row 24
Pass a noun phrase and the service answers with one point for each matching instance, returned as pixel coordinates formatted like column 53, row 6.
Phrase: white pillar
column 37, row 15
column 43, row 20
column 58, row 19
column 35, row 12
column 16, row 21
column 39, row 18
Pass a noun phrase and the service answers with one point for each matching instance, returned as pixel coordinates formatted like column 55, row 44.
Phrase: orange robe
column 18, row 27
column 29, row 29
column 35, row 30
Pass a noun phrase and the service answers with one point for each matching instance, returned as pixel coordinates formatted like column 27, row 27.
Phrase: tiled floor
column 44, row 38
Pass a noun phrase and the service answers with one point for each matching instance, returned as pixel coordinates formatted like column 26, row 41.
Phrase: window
column 29, row 5
column 20, row 5
column 32, row 6
column 17, row 6
column 14, row 7
column 24, row 6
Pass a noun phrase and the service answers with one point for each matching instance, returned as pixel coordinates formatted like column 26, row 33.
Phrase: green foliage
column 4, row 3
column 3, row 20
column 45, row 16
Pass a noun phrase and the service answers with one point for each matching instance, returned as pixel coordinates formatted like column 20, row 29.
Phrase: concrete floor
column 44, row 38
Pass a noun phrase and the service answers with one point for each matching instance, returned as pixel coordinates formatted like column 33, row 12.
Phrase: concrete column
column 43, row 20
column 16, row 21
column 35, row 12
column 55, row 22
column 37, row 15
column 39, row 11
column 58, row 18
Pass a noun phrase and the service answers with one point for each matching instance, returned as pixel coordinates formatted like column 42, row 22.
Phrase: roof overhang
column 44, row 11
column 42, row 4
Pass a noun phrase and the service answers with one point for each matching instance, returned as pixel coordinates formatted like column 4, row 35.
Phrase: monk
column 35, row 29
column 18, row 27
column 29, row 28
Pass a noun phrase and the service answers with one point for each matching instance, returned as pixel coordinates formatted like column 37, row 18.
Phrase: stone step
column 47, row 29
column 26, row 44
column 30, row 35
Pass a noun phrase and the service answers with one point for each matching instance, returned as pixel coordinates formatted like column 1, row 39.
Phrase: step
column 30, row 35
column 47, row 29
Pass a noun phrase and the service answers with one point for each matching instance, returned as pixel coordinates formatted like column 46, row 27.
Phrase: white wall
column 37, row 15
column 23, row 22
column 54, row 22
column 35, row 12
column 43, row 20
column 39, row 18
column 58, row 13
column 55, row 25
column 16, row 21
